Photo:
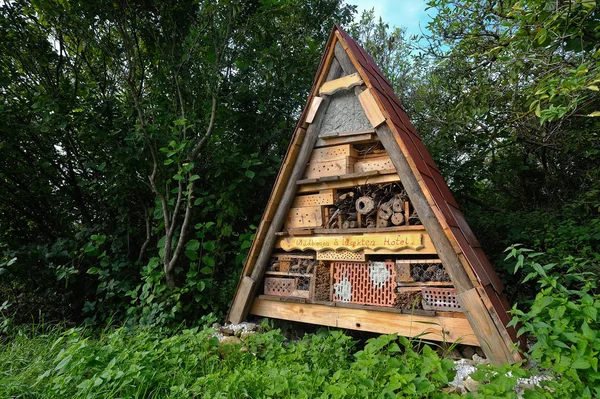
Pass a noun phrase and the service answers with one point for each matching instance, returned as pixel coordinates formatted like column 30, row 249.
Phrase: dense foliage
column 139, row 142
column 130, row 141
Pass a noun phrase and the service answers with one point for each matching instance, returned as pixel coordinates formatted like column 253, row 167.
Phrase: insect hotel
column 361, row 230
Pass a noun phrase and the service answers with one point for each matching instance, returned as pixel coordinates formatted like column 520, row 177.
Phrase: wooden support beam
column 332, row 135
column 241, row 305
column 350, row 139
column 348, row 176
column 342, row 57
column 348, row 183
column 434, row 328
column 483, row 325
column 497, row 351
column 343, row 83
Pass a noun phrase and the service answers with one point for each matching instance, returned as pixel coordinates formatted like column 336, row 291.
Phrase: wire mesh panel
column 441, row 299
column 367, row 283
column 425, row 270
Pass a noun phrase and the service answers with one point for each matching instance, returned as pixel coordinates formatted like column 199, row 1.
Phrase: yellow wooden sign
column 393, row 242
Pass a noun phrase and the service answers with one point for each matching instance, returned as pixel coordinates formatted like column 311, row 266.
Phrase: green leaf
column 93, row 270
column 581, row 364
column 206, row 270
column 208, row 260
column 191, row 255
column 250, row 174
column 542, row 35
column 591, row 312
column 194, row 177
column 193, row 245
column 209, row 246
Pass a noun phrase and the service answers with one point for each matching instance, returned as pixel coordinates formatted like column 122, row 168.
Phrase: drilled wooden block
column 279, row 286
column 379, row 163
column 333, row 167
column 306, row 216
column 341, row 254
column 323, row 198
column 332, row 153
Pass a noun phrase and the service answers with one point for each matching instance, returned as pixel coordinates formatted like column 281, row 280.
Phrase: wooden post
column 496, row 349
column 243, row 300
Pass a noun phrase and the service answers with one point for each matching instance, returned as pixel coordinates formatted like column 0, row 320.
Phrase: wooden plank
column 281, row 187
column 458, row 315
column 357, row 139
column 435, row 328
column 282, row 209
column 245, row 288
column 292, row 274
column 426, row 284
column 300, row 232
column 306, row 216
column 292, row 299
column 396, row 243
column 491, row 341
column 371, row 108
column 348, row 183
column 276, row 194
column 286, row 255
column 331, row 135
column 369, row 230
column 333, row 68
column 314, row 107
column 343, row 83
column 349, row 176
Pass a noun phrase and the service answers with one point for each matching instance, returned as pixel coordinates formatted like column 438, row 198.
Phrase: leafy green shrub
column 563, row 319
column 384, row 370
column 150, row 362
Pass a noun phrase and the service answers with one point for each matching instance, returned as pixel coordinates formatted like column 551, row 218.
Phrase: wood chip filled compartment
column 366, row 283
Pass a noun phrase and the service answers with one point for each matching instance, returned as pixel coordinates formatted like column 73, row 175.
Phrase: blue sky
column 406, row 13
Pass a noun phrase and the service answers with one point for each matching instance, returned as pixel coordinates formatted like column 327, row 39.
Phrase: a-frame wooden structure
column 361, row 230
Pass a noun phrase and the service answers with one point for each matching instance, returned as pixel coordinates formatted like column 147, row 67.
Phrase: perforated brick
column 442, row 299
column 366, row 283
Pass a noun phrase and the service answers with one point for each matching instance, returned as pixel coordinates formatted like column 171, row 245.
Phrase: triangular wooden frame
column 478, row 288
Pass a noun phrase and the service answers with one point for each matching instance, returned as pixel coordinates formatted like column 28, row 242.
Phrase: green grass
column 150, row 363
